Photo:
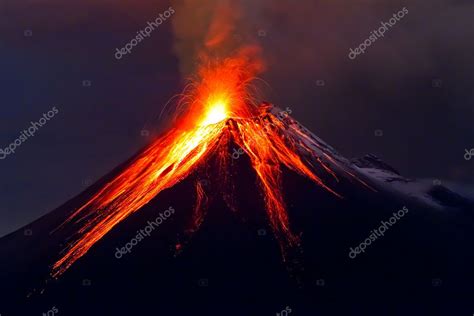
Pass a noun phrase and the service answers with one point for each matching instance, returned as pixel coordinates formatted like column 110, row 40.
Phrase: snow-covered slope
column 374, row 171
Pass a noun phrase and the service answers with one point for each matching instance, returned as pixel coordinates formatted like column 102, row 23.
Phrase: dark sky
column 415, row 84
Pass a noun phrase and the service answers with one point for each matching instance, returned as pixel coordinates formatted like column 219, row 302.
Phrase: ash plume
column 208, row 28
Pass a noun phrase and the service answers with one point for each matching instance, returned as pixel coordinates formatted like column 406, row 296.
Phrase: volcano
column 231, row 259
column 238, row 209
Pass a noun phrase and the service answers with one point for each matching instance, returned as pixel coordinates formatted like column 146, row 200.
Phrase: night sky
column 413, row 87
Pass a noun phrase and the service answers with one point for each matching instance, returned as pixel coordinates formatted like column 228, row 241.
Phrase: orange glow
column 217, row 106
column 217, row 112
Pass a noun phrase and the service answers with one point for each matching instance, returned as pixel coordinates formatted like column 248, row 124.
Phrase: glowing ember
column 216, row 109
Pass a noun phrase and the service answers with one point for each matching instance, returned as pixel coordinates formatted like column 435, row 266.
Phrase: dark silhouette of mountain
column 422, row 265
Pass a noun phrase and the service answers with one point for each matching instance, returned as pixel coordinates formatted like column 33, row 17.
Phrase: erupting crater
column 215, row 110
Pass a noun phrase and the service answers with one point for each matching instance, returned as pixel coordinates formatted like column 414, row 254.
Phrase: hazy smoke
column 208, row 28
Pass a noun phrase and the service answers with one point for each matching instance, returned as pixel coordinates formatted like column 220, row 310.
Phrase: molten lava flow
column 162, row 165
column 216, row 107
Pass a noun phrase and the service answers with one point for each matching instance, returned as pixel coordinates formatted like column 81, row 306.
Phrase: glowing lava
column 217, row 112
column 214, row 110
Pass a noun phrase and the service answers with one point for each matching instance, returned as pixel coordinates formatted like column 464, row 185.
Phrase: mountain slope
column 233, row 264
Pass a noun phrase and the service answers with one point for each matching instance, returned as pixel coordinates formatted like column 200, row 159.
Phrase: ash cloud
column 414, row 84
